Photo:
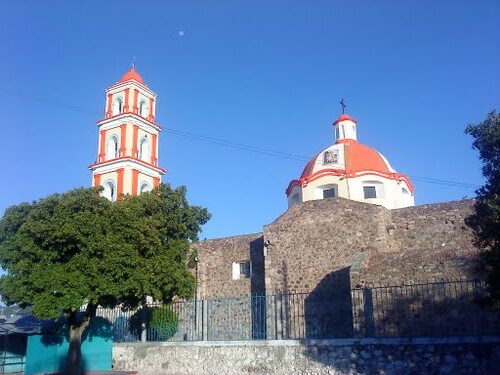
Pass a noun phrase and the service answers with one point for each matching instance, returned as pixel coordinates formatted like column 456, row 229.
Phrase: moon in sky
column 181, row 33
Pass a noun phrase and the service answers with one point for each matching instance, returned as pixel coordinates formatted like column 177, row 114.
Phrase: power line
column 226, row 143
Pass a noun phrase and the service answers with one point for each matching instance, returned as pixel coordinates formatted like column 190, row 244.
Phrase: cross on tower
column 343, row 105
column 133, row 62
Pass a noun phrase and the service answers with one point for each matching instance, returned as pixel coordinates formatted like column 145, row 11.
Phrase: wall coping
column 326, row 342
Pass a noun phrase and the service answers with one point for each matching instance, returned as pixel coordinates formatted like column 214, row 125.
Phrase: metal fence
column 417, row 310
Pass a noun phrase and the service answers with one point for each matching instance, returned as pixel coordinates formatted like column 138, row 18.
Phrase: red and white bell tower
column 127, row 160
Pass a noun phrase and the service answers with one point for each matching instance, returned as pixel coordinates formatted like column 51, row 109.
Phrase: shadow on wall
column 438, row 309
column 258, row 306
column 328, row 308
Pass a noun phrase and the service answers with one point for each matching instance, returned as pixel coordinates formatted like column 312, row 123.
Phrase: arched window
column 109, row 191
column 144, row 187
column 143, row 108
column 112, row 148
column 144, row 150
column 117, row 106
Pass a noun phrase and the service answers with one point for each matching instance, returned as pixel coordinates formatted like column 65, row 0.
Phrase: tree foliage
column 77, row 248
column 486, row 220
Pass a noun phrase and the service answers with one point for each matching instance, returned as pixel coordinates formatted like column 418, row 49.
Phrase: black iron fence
column 417, row 310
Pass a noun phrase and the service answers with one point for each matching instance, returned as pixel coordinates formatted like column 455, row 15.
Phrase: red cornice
column 128, row 158
column 129, row 113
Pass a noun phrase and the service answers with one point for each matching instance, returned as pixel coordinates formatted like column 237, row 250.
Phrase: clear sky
column 267, row 74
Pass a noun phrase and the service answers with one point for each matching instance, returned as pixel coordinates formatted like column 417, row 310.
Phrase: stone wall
column 313, row 244
column 337, row 244
column 368, row 356
column 431, row 243
column 215, row 266
column 332, row 243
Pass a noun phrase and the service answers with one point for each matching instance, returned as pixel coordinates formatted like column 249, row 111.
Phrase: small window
column 404, row 191
column 145, row 187
column 329, row 193
column 242, row 270
column 117, row 106
column 109, row 191
column 143, row 108
column 112, row 149
column 330, row 157
column 144, row 150
column 370, row 192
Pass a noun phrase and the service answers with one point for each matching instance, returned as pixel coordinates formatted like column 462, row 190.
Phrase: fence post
column 204, row 319
column 278, row 316
column 368, row 311
column 143, row 325
column 479, row 312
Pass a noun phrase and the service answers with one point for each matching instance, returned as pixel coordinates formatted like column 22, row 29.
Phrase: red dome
column 358, row 159
column 132, row 75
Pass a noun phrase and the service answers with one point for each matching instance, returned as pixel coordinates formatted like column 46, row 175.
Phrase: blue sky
column 262, row 73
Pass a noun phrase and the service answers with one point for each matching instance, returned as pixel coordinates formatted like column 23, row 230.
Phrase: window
column 144, row 153
column 112, row 149
column 370, row 192
column 326, row 191
column 117, row 106
column 242, row 270
column 404, row 191
column 143, row 108
column 330, row 157
column 329, row 193
column 109, row 191
column 144, row 188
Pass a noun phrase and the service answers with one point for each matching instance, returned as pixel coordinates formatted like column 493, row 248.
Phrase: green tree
column 486, row 220
column 79, row 249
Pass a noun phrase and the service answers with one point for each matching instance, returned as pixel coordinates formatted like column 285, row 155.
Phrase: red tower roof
column 344, row 117
column 132, row 75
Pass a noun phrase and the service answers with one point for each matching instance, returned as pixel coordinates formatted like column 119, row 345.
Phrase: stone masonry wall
column 338, row 244
column 316, row 242
column 215, row 266
column 432, row 243
column 388, row 356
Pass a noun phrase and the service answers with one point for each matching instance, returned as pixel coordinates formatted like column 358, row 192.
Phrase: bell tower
column 127, row 160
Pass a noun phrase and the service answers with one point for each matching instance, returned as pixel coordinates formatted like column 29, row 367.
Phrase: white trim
column 112, row 166
column 120, row 86
column 128, row 118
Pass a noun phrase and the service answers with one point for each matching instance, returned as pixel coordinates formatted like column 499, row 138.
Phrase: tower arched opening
column 112, row 148
column 117, row 106
column 145, row 150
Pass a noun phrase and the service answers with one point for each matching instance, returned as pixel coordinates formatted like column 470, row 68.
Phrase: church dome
column 132, row 74
column 351, row 170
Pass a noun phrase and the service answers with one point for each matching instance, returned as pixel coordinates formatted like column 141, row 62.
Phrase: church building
column 351, row 170
column 127, row 160
column 350, row 219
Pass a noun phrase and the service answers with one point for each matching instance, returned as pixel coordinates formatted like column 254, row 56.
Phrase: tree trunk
column 76, row 329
